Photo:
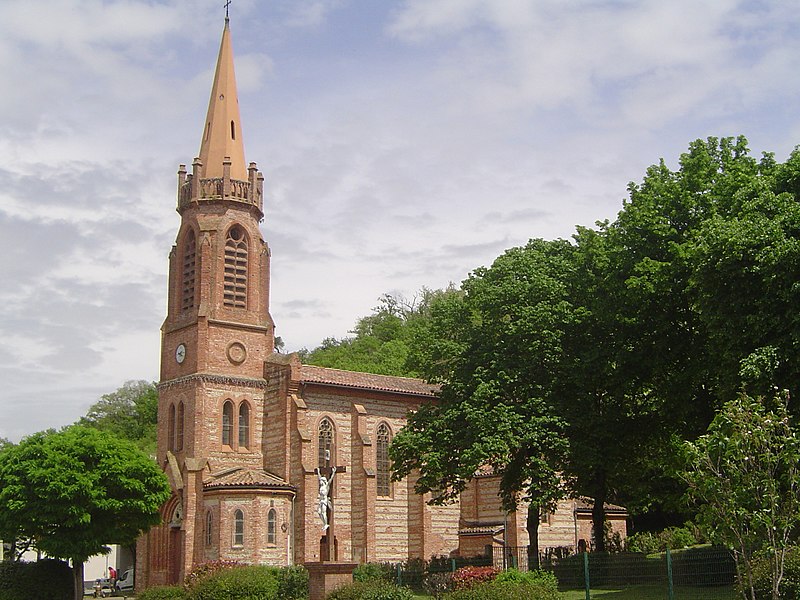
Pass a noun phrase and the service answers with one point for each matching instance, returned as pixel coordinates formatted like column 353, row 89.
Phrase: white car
column 125, row 583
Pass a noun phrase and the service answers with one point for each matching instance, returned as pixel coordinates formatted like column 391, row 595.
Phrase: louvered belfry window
column 236, row 268
column 189, row 267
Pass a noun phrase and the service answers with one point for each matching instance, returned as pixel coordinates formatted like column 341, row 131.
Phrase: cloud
column 403, row 145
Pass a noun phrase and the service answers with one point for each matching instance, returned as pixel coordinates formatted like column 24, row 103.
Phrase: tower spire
column 222, row 135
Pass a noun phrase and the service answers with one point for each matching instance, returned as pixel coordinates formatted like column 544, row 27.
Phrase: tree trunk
column 77, row 575
column 599, row 521
column 532, row 525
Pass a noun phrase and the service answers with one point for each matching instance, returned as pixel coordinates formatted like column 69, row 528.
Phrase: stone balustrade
column 194, row 189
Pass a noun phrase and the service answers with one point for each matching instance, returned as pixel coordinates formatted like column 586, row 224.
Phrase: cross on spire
column 227, row 4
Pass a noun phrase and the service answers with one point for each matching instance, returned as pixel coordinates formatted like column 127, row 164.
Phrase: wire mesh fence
column 704, row 573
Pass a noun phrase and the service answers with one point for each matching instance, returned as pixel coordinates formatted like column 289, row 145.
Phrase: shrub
column 644, row 542
column 679, row 537
column 673, row 538
column 48, row 578
column 790, row 584
column 542, row 579
column 508, row 590
column 467, row 577
column 374, row 571
column 438, row 584
column 208, row 569
column 166, row 592
column 371, row 590
column 292, row 583
column 241, row 583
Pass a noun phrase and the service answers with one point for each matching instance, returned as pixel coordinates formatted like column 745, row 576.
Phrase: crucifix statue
column 324, row 502
column 325, row 475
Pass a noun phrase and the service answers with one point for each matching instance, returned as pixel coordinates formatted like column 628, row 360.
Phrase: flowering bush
column 201, row 572
column 438, row 584
column 468, row 577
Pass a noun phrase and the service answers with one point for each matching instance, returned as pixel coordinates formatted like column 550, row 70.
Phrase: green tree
column 746, row 265
column 130, row 413
column 495, row 348
column 614, row 423
column 688, row 296
column 75, row 490
column 381, row 341
column 745, row 476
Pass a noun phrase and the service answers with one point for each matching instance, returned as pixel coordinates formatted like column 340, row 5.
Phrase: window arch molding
column 227, row 423
column 209, row 528
column 326, row 442
column 236, row 424
column 179, row 425
column 272, row 526
column 171, row 427
column 238, row 527
column 243, row 425
column 383, row 465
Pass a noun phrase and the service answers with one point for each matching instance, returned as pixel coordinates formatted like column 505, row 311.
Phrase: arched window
column 179, row 428
column 271, row 519
column 227, row 423
column 238, row 528
column 236, row 268
column 325, row 443
column 189, row 267
column 171, row 428
column 244, row 425
column 209, row 528
column 382, row 463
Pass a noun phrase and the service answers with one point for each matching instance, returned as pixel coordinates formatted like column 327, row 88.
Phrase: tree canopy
column 381, row 341
column 627, row 339
column 496, row 349
column 76, row 490
column 595, row 358
column 129, row 413
column 744, row 474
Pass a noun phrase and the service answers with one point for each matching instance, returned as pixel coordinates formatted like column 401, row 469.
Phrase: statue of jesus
column 323, row 501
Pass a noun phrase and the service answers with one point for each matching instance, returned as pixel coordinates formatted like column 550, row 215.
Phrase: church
column 247, row 436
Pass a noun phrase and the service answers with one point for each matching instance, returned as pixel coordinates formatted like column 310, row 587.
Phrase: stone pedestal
column 324, row 577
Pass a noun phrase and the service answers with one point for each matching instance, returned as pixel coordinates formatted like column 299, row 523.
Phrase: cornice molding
column 213, row 378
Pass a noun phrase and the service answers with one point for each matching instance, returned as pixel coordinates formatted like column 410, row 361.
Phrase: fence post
column 586, row 574
column 670, row 590
column 399, row 575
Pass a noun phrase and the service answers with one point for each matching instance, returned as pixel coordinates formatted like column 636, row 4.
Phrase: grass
column 646, row 592
column 655, row 592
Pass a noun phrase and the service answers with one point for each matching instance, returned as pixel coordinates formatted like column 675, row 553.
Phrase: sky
column 404, row 143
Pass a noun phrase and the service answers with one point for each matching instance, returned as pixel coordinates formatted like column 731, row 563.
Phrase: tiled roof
column 244, row 477
column 367, row 381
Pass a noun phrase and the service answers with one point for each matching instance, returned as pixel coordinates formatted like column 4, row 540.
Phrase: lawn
column 656, row 592
column 647, row 592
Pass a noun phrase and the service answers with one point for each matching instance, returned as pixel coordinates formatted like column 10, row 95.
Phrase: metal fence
column 704, row 573
column 699, row 573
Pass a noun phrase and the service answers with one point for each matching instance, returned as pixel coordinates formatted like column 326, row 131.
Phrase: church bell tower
column 218, row 317
column 216, row 336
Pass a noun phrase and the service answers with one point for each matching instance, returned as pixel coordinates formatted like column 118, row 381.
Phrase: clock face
column 180, row 353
